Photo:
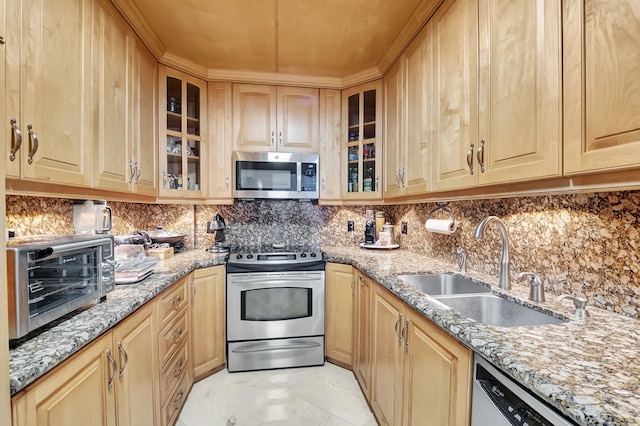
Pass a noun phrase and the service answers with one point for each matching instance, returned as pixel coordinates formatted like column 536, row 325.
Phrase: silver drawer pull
column 33, row 143
column 176, row 300
column 178, row 401
column 16, row 139
column 176, row 336
column 177, row 369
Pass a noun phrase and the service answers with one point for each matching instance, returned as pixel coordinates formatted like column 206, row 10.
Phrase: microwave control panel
column 309, row 180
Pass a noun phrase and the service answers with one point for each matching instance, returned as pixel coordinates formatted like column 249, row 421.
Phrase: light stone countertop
column 589, row 370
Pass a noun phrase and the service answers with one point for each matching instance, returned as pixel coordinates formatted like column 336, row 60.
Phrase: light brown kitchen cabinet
column 387, row 368
column 496, row 100
column 362, row 332
column 601, row 85
column 418, row 371
column 269, row 118
column 124, row 111
column 406, row 141
column 111, row 381
column 207, row 320
column 330, row 142
column 221, row 141
column 340, row 294
column 362, row 146
column 437, row 375
column 183, row 144
column 48, row 91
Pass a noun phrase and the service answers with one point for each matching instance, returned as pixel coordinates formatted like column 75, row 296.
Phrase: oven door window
column 276, row 304
column 266, row 176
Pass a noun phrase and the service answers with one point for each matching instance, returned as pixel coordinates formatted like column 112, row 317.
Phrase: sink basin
column 443, row 284
column 493, row 310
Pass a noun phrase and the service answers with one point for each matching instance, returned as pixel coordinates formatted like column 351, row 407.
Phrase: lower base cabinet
column 419, row 375
column 340, row 289
column 112, row 378
column 207, row 317
column 362, row 333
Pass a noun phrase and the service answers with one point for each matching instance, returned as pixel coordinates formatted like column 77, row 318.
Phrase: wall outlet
column 404, row 227
column 350, row 226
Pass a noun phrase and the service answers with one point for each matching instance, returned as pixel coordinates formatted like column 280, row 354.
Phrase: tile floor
column 327, row 395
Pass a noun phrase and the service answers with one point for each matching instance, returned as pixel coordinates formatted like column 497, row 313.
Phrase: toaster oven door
column 50, row 283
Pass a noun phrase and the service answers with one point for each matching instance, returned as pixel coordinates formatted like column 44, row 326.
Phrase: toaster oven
column 50, row 276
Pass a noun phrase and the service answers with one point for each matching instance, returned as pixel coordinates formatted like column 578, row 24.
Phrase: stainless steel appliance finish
column 499, row 401
column 50, row 276
column 275, row 175
column 275, row 310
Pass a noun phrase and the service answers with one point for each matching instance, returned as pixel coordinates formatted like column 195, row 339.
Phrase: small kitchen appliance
column 275, row 308
column 92, row 217
column 217, row 227
column 370, row 232
column 50, row 276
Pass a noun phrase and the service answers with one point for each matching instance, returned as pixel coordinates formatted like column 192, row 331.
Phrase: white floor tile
column 327, row 395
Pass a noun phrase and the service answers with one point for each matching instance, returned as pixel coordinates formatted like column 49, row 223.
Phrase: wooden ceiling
column 330, row 42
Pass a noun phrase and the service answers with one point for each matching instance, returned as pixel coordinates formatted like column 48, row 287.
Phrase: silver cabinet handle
column 114, row 369
column 470, row 158
column 480, row 156
column 377, row 183
column 405, row 335
column 193, row 291
column 280, row 137
column 124, row 363
column 402, row 183
column 131, row 171
column 398, row 178
column 138, row 171
column 323, row 185
column 398, row 328
column 33, row 143
column 16, row 139
column 164, row 180
column 178, row 400
column 273, row 138
column 227, row 183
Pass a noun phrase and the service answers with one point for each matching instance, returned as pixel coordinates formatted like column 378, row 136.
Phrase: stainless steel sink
column 443, row 284
column 493, row 310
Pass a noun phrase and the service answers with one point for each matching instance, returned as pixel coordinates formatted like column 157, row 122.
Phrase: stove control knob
column 238, row 256
column 249, row 256
column 303, row 254
column 313, row 255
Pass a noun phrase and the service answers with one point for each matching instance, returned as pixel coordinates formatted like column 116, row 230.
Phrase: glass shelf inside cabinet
column 193, row 163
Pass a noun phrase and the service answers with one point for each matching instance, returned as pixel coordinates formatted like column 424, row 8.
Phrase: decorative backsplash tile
column 577, row 243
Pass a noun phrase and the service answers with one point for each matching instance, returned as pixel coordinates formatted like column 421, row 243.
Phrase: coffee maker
column 217, row 227
column 370, row 232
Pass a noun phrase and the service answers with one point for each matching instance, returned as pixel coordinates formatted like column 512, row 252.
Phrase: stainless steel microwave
column 275, row 175
column 50, row 276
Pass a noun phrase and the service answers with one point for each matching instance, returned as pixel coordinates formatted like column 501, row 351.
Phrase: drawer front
column 174, row 403
column 172, row 301
column 171, row 374
column 172, row 336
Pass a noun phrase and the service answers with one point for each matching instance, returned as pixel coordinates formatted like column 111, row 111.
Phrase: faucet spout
column 504, row 281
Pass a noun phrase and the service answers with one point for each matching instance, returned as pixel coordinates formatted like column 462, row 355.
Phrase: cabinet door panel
column 437, row 376
column 339, row 336
column 330, row 137
column 221, row 140
column 393, row 131
column 254, row 117
column 298, row 119
column 111, row 140
column 362, row 349
column 601, row 84
column 520, row 110
column 455, row 30
column 56, row 89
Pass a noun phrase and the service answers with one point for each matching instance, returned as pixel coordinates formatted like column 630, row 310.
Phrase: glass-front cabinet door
column 183, row 143
column 362, row 141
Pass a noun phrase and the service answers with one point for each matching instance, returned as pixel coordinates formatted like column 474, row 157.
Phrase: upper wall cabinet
column 183, row 141
column 124, row 112
column 406, row 140
column 221, row 141
column 330, row 141
column 48, row 91
column 601, row 85
column 269, row 118
column 507, row 128
column 362, row 142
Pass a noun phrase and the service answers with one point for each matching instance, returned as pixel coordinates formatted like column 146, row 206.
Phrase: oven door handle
column 274, row 280
column 299, row 344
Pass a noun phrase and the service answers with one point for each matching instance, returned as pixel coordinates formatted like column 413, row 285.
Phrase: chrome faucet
column 504, row 281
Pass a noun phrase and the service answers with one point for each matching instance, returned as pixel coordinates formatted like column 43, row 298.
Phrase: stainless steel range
column 275, row 309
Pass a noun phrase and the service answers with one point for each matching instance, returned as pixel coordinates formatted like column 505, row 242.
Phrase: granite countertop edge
column 563, row 364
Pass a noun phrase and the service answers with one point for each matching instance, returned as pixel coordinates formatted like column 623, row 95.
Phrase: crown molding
column 361, row 77
column 420, row 16
column 274, row 79
column 131, row 13
column 184, row 65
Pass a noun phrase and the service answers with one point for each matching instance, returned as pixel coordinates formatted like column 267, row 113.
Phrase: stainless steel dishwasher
column 499, row 401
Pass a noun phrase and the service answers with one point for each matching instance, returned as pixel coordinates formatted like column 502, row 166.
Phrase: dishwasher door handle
column 299, row 344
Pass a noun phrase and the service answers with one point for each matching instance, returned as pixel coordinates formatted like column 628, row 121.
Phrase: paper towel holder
column 442, row 207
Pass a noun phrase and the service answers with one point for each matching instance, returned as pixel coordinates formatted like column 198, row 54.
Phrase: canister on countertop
column 380, row 220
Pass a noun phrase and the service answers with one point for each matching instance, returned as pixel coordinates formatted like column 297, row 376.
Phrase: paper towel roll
column 441, row 226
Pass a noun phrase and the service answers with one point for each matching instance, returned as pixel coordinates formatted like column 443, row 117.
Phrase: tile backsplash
column 577, row 243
